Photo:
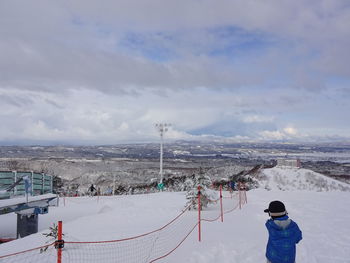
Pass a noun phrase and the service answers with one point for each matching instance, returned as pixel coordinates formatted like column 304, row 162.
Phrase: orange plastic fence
column 148, row 247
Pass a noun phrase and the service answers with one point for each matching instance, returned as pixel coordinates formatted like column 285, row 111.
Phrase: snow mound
column 287, row 179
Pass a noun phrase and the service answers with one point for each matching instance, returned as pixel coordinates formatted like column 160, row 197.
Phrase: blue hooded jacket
column 281, row 245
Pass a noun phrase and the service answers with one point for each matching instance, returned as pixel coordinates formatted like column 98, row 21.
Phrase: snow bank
column 241, row 238
column 288, row 179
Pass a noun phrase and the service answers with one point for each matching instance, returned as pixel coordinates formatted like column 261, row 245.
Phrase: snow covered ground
column 291, row 179
column 322, row 216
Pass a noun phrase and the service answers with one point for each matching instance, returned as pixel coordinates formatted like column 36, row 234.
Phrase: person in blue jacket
column 232, row 185
column 284, row 234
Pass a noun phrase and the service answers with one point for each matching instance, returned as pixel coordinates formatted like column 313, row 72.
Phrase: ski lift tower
column 162, row 129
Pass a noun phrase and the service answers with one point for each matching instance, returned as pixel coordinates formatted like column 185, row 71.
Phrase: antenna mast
column 162, row 129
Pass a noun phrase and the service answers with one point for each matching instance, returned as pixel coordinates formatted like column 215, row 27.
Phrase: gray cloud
column 44, row 49
column 82, row 70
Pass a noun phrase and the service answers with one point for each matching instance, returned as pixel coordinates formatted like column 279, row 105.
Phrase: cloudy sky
column 104, row 72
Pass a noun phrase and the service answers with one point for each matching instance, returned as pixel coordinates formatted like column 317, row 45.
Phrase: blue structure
column 28, row 211
column 27, row 194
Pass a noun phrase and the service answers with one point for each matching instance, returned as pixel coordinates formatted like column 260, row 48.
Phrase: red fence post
column 222, row 214
column 199, row 213
column 59, row 242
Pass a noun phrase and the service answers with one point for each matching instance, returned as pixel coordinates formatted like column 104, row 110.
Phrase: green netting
column 7, row 181
column 23, row 174
column 41, row 183
column 4, row 195
column 37, row 187
column 37, row 176
column 20, row 187
column 6, row 175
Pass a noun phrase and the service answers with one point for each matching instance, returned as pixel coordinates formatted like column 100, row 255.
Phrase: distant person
column 91, row 190
column 109, row 191
column 232, row 185
column 284, row 234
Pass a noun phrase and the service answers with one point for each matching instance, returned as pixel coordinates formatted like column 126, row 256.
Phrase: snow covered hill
column 240, row 238
column 298, row 179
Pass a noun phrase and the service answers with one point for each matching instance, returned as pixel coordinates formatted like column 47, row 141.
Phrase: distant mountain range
column 306, row 152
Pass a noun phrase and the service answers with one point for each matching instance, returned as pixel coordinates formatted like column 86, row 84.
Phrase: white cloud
column 257, row 118
column 291, row 131
column 272, row 135
column 287, row 133
column 106, row 72
column 87, row 116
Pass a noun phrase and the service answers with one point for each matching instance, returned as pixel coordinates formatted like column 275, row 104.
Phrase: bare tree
column 16, row 165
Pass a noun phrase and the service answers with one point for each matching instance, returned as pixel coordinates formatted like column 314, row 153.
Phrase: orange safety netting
column 147, row 248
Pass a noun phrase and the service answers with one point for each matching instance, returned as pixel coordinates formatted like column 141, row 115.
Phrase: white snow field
column 298, row 179
column 322, row 216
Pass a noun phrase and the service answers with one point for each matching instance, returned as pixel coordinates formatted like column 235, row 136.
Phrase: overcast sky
column 104, row 72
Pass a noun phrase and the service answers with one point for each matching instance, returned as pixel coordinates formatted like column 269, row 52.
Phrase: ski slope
column 322, row 216
column 290, row 179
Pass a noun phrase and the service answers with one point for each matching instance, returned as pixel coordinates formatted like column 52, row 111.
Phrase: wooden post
column 199, row 213
column 222, row 213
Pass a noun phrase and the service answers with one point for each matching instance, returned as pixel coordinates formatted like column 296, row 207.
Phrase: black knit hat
column 276, row 208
